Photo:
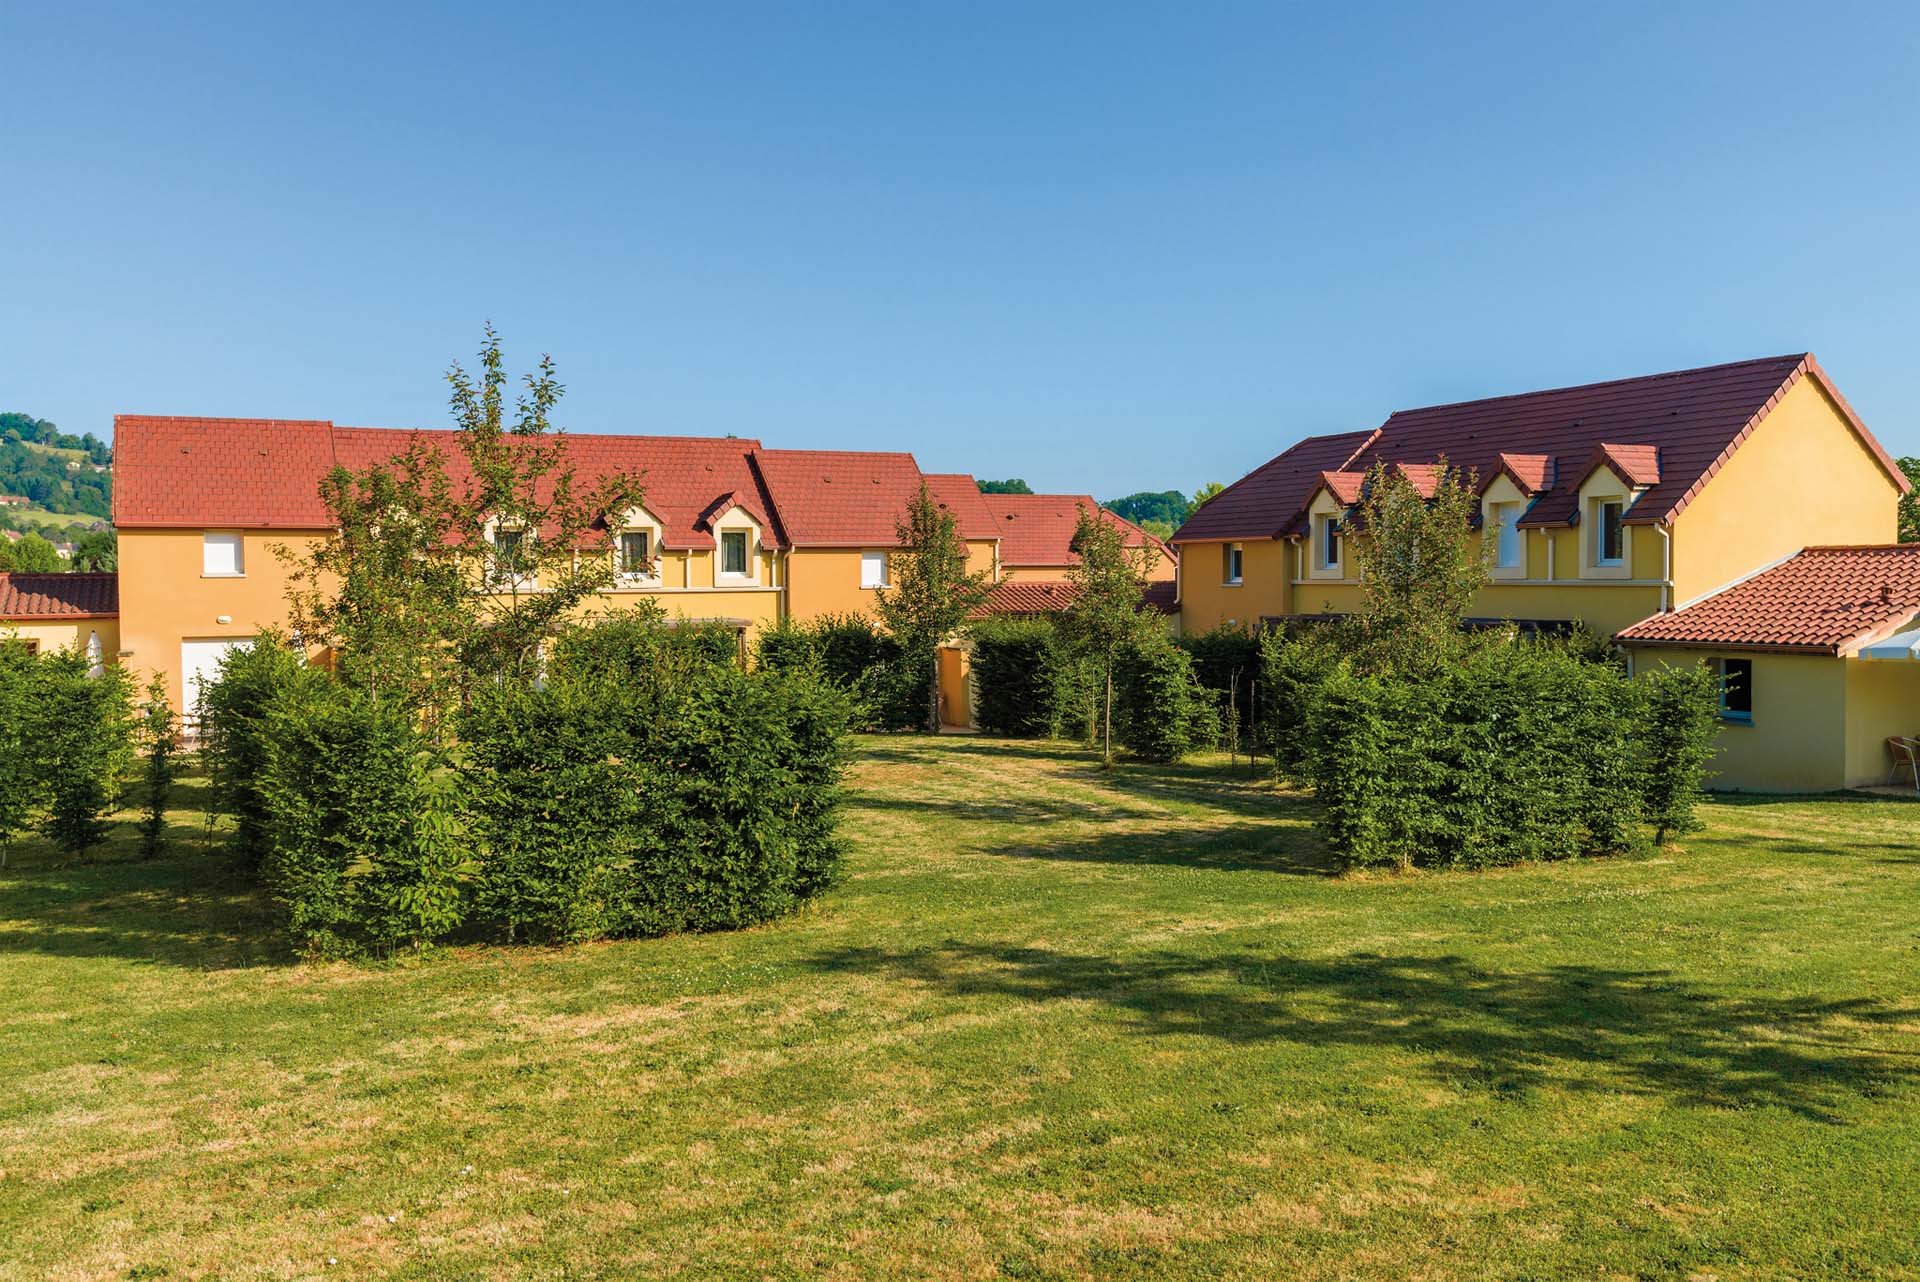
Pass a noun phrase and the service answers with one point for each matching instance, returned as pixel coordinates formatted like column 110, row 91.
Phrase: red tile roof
column 1530, row 473
column 960, row 494
column 1693, row 418
column 840, row 498
column 1016, row 597
column 1258, row 504
column 1038, row 529
column 262, row 473
column 25, row 597
column 1824, row 600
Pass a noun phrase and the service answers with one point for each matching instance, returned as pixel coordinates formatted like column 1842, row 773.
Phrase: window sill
column 214, row 574
column 1737, row 719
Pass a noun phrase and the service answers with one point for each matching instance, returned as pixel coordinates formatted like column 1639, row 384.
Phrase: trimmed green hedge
column 887, row 686
column 1161, row 711
column 1028, row 687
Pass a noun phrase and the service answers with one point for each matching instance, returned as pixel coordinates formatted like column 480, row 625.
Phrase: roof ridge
column 1605, row 382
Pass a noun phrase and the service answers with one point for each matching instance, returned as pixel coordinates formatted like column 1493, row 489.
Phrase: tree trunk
column 1106, row 728
column 933, row 695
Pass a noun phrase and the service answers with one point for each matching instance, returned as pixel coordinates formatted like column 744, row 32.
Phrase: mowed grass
column 1055, row 1025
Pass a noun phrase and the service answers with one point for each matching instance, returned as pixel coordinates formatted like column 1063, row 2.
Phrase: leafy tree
column 1104, row 614
column 1205, row 492
column 932, row 593
column 85, row 727
column 1910, row 502
column 34, row 555
column 1419, row 568
column 162, row 767
column 1012, row 486
column 96, row 550
column 1166, row 507
column 393, row 590
column 17, row 784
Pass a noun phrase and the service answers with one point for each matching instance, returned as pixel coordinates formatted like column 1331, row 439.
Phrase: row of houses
column 1739, row 515
column 725, row 530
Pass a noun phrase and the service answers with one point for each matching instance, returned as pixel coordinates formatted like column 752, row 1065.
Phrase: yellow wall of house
column 983, row 557
column 826, row 581
column 1883, row 699
column 1207, row 601
column 1799, row 739
column 65, row 635
column 1803, row 478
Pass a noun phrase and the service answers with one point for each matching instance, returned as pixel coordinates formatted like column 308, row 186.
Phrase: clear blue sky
column 1105, row 247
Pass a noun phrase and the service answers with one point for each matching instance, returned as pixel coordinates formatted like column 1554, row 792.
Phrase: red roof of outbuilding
column 960, row 494
column 25, row 597
column 1825, row 600
column 1038, row 529
column 1017, row 597
column 840, row 498
column 1258, row 504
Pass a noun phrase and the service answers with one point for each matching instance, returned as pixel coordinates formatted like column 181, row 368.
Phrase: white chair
column 1905, row 755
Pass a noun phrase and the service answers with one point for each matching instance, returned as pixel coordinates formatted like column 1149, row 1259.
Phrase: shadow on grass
column 1578, row 1028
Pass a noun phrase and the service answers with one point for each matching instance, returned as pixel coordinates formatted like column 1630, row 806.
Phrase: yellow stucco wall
column 1883, row 699
column 48, row 636
column 826, row 581
column 1803, row 478
column 1798, row 741
column 1206, row 601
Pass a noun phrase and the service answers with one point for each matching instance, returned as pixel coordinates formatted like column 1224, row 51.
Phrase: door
column 199, row 669
column 953, row 687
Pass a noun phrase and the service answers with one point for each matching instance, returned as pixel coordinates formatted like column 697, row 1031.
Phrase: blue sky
column 1105, row 247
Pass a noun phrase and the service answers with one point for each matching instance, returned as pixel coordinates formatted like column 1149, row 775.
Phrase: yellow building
column 61, row 612
column 1607, row 504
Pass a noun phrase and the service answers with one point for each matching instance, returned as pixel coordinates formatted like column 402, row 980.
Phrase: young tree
column 1910, row 502
column 17, row 785
column 1104, row 614
column 1203, row 494
column 431, row 582
column 162, row 741
column 1419, row 569
column 86, row 744
column 34, row 555
column 932, row 593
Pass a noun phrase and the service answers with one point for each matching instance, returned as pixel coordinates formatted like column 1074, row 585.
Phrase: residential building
column 1609, row 504
column 62, row 612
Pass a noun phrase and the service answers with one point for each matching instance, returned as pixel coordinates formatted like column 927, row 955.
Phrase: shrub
column 1162, row 712
column 1227, row 662
column 361, row 837
column 84, row 731
column 233, row 723
column 1680, row 723
column 1293, row 668
column 888, row 686
column 19, row 790
column 1019, row 671
column 161, row 743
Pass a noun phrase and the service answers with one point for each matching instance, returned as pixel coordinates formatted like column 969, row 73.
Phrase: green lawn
column 1054, row 1026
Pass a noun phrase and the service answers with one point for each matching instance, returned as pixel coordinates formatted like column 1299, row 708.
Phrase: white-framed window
column 222, row 556
column 1609, row 532
column 873, row 570
column 513, row 559
column 1326, row 542
column 733, row 553
column 1232, row 561
column 1736, row 689
column 635, row 552
column 1504, row 518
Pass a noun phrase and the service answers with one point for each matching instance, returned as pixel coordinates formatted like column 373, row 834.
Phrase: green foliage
column 53, row 468
column 886, row 684
column 1166, row 507
column 1517, row 753
column 1909, row 511
column 932, row 593
column 1203, row 494
column 32, row 554
column 1013, row 486
column 96, row 551
column 1162, row 711
column 1227, row 661
column 1419, row 569
column 1027, row 681
column 83, row 727
column 1294, row 666
column 160, row 736
column 1103, row 615
column 18, row 787
column 1680, row 726
column 233, row 720
column 641, row 645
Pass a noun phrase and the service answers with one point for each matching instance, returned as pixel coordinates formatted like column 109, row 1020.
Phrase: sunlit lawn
column 1053, row 1026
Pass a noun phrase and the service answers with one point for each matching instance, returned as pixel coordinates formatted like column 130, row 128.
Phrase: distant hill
column 1169, row 507
column 56, row 472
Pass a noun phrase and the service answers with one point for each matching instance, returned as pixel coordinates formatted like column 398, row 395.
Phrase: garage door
column 199, row 668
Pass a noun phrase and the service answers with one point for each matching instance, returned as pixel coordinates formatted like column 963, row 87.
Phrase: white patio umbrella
column 1901, row 645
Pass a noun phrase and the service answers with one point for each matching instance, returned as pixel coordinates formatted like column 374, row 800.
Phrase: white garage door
column 200, row 667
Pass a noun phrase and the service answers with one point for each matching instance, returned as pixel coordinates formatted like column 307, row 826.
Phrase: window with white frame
column 733, row 553
column 1232, row 562
column 636, row 554
column 873, row 570
column 1504, row 518
column 512, row 559
column 1736, row 689
column 1609, row 532
column 222, row 556
column 1327, row 542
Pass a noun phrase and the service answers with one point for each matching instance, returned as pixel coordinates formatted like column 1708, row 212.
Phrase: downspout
column 1550, row 542
column 1666, row 563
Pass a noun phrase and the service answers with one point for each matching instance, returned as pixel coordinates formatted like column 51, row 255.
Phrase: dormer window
column 513, row 559
column 1231, row 558
column 1504, row 518
column 1609, row 532
column 1326, row 541
column 733, row 552
column 636, row 554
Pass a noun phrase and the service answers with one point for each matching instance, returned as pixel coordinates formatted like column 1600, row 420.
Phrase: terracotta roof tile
column 1258, row 504
column 26, row 597
column 262, row 473
column 1827, row 600
column 1038, row 529
column 839, row 498
column 1530, row 473
column 960, row 494
column 1050, row 597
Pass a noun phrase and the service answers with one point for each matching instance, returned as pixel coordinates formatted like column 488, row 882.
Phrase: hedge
column 1227, row 661
column 1028, row 686
column 888, row 687
column 233, row 724
column 1161, row 711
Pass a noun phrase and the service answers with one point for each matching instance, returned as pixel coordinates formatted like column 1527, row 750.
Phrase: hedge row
column 649, row 785
column 887, row 686
column 66, row 746
column 1523, row 751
